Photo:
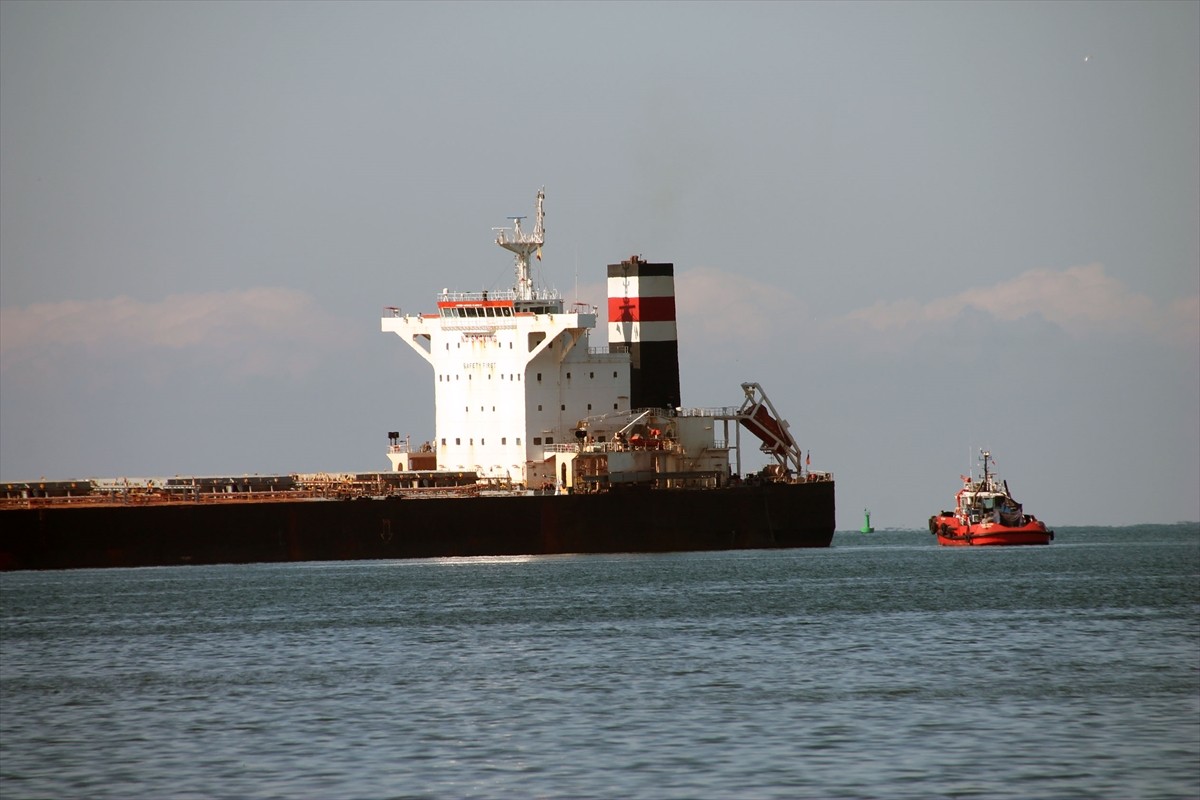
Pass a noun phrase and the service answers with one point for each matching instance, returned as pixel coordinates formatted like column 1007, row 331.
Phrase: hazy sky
column 923, row 228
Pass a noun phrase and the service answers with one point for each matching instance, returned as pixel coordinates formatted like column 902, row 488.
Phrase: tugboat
column 985, row 513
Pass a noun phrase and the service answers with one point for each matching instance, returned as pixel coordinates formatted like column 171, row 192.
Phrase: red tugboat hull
column 951, row 533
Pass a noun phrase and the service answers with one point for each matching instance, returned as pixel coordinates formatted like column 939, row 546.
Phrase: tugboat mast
column 522, row 244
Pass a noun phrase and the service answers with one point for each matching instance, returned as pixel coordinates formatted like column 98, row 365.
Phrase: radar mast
column 522, row 244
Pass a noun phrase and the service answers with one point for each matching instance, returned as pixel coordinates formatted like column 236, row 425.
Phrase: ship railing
column 313, row 486
column 161, row 498
column 718, row 413
column 610, row 446
column 543, row 293
column 468, row 490
column 468, row 297
column 674, row 481
column 483, row 326
column 409, row 447
column 608, row 350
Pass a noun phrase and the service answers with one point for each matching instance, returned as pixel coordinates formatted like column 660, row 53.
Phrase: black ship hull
column 620, row 521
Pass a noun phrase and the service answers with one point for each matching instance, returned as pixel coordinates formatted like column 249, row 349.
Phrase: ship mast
column 522, row 244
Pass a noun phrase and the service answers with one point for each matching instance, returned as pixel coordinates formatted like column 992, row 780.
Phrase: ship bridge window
column 537, row 440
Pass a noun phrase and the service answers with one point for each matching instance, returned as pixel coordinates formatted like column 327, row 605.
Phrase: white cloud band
column 261, row 331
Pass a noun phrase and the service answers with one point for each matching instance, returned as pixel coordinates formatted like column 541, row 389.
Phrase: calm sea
column 883, row 667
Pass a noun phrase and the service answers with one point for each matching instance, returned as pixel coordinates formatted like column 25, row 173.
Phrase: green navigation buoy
column 866, row 528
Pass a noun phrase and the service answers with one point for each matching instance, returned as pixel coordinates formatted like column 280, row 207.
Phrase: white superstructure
column 515, row 372
column 523, row 400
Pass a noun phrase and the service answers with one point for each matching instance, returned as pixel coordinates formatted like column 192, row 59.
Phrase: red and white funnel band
column 641, row 303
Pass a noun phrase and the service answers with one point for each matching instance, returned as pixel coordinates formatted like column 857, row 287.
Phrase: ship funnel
column 641, row 320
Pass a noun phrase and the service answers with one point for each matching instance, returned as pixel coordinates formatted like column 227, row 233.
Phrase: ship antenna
column 522, row 244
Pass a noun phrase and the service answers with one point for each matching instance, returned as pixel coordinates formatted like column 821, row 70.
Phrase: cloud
column 1082, row 301
column 719, row 308
column 267, row 331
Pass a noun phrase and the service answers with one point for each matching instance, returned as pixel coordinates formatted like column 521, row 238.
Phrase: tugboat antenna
column 985, row 455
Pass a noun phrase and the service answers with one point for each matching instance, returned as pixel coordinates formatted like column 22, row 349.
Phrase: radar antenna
column 522, row 244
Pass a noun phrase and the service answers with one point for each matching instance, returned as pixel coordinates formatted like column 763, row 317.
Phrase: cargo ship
column 986, row 514
column 543, row 444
